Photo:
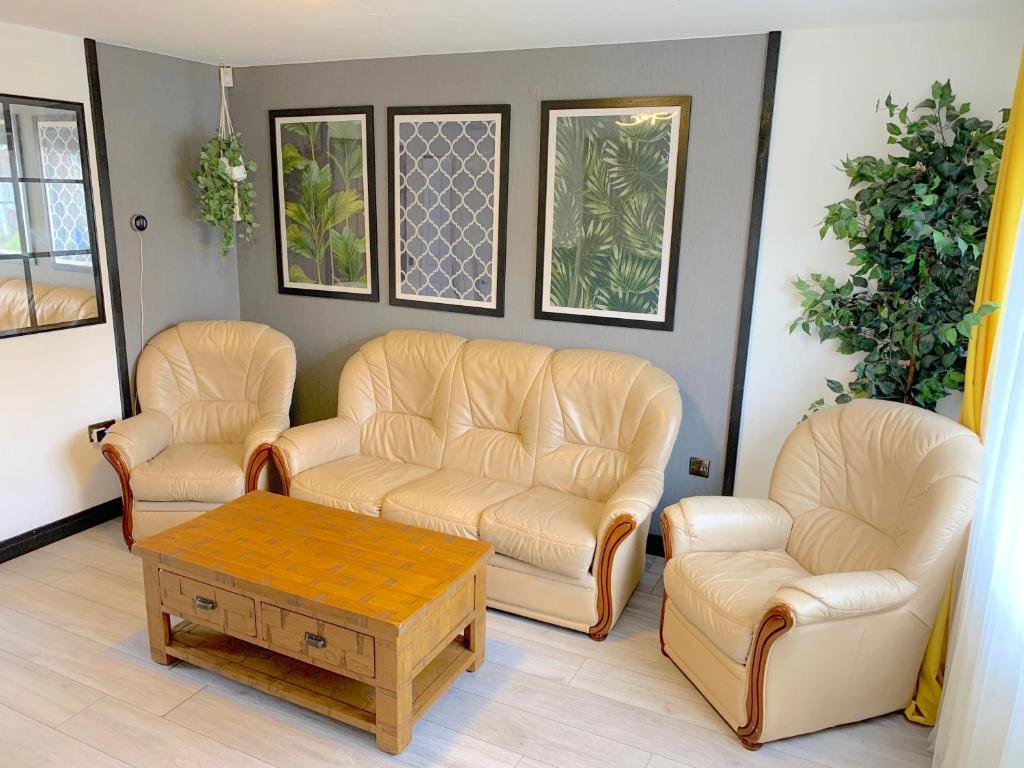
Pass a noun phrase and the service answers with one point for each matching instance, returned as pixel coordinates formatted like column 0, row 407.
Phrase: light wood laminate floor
column 77, row 689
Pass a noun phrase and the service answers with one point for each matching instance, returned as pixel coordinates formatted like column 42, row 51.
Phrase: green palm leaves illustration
column 609, row 212
column 324, row 203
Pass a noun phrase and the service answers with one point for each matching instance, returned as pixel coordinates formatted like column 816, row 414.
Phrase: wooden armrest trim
column 257, row 461
column 777, row 621
column 666, row 544
column 282, row 469
column 116, row 460
column 617, row 532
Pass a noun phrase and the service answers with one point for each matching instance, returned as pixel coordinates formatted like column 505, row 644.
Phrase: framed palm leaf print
column 448, row 176
column 326, row 224
column 610, row 210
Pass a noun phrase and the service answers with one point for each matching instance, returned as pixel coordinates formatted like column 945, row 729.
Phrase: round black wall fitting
column 139, row 222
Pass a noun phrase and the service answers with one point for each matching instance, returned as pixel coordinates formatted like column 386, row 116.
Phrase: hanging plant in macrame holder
column 226, row 196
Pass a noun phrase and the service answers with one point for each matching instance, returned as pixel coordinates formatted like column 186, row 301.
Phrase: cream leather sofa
column 213, row 396
column 53, row 303
column 554, row 457
column 812, row 608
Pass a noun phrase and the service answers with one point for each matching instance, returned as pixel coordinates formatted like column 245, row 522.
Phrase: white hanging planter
column 226, row 196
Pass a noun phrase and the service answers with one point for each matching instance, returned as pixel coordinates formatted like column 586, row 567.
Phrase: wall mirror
column 49, row 268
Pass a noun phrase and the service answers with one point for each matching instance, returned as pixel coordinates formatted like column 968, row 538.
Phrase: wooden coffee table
column 360, row 619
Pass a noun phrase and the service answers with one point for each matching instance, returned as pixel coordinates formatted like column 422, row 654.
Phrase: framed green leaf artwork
column 324, row 212
column 610, row 210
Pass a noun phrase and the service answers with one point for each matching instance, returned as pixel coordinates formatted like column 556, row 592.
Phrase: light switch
column 700, row 467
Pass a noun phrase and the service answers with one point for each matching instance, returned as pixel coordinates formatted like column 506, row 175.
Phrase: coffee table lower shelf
column 320, row 690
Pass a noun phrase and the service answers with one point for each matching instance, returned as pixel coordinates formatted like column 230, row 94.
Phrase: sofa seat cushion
column 191, row 472
column 355, row 483
column 549, row 529
column 447, row 501
column 725, row 594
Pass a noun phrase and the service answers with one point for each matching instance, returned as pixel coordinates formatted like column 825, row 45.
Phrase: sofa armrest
column 634, row 499
column 626, row 510
column 724, row 524
column 310, row 445
column 834, row 596
column 139, row 438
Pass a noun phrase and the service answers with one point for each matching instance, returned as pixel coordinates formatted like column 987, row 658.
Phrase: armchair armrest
column 724, row 524
column 834, row 596
column 139, row 438
column 264, row 431
column 310, row 445
column 258, row 446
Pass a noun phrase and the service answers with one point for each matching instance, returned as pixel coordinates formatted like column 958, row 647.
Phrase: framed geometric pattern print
column 324, row 202
column 610, row 210
column 61, row 158
column 448, row 182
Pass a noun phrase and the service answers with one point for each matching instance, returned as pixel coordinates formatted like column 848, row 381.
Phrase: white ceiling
column 246, row 32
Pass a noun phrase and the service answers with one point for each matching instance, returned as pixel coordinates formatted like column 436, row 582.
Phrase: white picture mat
column 670, row 192
column 283, row 220
column 462, row 117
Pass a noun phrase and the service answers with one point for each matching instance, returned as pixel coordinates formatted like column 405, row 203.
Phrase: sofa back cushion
column 603, row 415
column 874, row 484
column 397, row 388
column 494, row 408
column 213, row 379
column 53, row 303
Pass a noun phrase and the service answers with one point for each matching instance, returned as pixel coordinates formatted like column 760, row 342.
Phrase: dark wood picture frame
column 501, row 224
column 683, row 103
column 78, row 108
column 370, row 197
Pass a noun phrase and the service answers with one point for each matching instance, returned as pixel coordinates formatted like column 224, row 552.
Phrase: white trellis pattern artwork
column 448, row 181
column 61, row 159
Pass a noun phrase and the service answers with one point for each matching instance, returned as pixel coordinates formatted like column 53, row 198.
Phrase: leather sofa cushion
column 549, row 529
column 725, row 594
column 356, row 483
column 448, row 501
column 196, row 472
column 493, row 409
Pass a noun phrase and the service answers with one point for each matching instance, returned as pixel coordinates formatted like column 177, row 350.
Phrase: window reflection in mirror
column 49, row 273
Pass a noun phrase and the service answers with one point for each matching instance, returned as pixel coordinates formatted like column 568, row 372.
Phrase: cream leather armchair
column 214, row 396
column 555, row 457
column 812, row 608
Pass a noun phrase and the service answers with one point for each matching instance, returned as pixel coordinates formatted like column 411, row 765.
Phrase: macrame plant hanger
column 236, row 173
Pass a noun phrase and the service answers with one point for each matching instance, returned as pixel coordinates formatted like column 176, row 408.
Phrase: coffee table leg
column 476, row 632
column 394, row 718
column 159, row 623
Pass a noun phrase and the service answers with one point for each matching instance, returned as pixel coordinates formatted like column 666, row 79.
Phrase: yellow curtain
column 992, row 285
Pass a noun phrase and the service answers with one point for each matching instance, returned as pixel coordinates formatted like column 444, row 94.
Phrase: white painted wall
column 828, row 84
column 52, row 385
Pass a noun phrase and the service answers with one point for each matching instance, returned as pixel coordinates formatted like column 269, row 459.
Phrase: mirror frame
column 78, row 108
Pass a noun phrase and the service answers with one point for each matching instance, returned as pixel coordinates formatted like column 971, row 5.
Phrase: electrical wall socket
column 98, row 430
column 700, row 467
column 227, row 77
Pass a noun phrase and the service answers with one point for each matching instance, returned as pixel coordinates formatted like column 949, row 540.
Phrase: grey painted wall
column 158, row 112
column 723, row 76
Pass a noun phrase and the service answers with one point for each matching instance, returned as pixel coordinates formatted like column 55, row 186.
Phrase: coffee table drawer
column 208, row 604
column 296, row 634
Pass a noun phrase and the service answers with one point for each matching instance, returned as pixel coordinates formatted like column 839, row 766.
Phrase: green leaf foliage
column 324, row 204
column 916, row 227
column 609, row 212
column 216, row 191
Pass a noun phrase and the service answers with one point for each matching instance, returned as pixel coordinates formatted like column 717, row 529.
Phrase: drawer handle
column 315, row 641
column 205, row 603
